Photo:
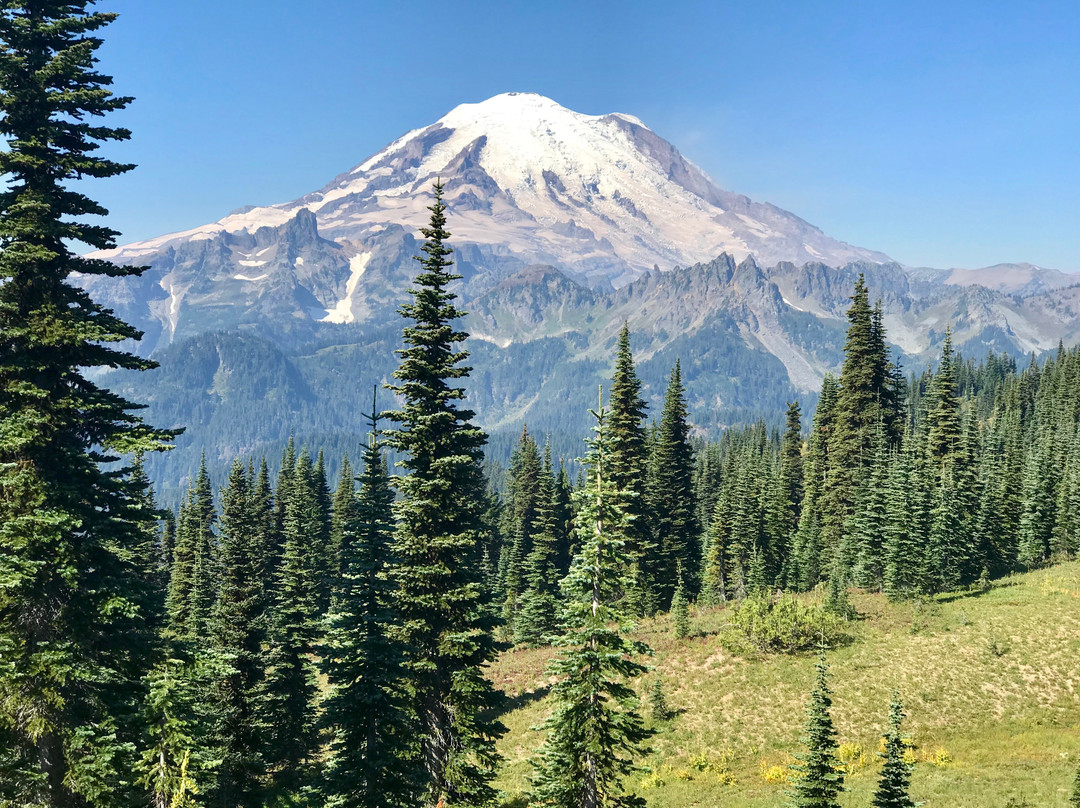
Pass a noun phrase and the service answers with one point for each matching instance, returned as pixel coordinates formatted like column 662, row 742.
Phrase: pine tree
column 680, row 610
column 1074, row 798
column 374, row 747
column 818, row 778
column 672, row 509
column 788, row 494
column 289, row 686
column 537, row 618
column 174, row 767
column 627, row 470
column 903, row 549
column 866, row 401
column 237, row 633
column 446, row 616
column 895, row 777
column 807, row 553
column 868, row 524
column 265, row 529
column 73, row 640
column 713, row 571
column 344, row 515
column 594, row 731
column 658, row 705
column 201, row 520
column 519, row 523
column 322, row 542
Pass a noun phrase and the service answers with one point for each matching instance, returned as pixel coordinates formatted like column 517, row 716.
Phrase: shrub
column 783, row 625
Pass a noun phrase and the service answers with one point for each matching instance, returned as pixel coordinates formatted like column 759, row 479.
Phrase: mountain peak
column 532, row 182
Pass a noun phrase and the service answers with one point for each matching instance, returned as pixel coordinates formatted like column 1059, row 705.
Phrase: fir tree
column 807, row 561
column 594, row 732
column 519, row 523
column 902, row 550
column 73, row 640
column 174, row 767
column 895, row 777
column 672, row 509
column 713, row 572
column 680, row 610
column 537, row 619
column 818, row 778
column 344, row 516
column 199, row 527
column 1074, row 798
column 237, row 633
column 447, row 620
column 289, row 686
column 627, row 471
column 265, row 528
column 658, row 705
column 374, row 747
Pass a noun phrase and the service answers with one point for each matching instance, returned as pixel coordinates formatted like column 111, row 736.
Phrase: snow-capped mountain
column 280, row 316
column 528, row 180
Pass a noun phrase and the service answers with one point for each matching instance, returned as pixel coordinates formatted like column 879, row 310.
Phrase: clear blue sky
column 942, row 133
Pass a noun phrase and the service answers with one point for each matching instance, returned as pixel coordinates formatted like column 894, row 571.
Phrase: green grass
column 990, row 681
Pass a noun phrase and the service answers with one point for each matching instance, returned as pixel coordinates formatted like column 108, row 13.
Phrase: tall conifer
column 672, row 509
column 72, row 637
column 627, row 471
column 237, row 633
column 595, row 731
column 447, row 618
column 374, row 745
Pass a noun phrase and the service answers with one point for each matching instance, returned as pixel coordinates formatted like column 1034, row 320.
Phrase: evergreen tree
column 627, row 471
column 342, row 520
column 713, row 572
column 866, row 401
column 519, row 523
column 788, row 494
column 868, row 524
column 818, row 778
column 537, row 619
column 322, row 549
column 895, row 777
column 174, row 767
column 265, row 529
column 680, row 610
column 199, row 526
column 237, row 633
column 903, row 548
column 672, row 509
column 447, row 621
column 807, row 555
column 1074, row 798
column 289, row 686
column 374, row 747
column 594, row 731
column 73, row 640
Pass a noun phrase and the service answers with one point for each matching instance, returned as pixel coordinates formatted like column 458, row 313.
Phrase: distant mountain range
column 564, row 225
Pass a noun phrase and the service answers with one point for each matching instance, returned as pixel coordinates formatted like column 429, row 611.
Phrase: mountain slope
column 989, row 682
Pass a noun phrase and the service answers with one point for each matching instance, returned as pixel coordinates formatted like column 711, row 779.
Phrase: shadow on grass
column 965, row 594
column 528, row 697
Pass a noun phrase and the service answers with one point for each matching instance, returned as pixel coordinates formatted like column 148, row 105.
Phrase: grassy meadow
column 990, row 683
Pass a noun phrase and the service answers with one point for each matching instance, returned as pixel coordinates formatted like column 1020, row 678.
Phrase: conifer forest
column 290, row 637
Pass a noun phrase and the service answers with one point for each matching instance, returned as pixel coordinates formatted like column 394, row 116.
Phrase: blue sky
column 942, row 133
